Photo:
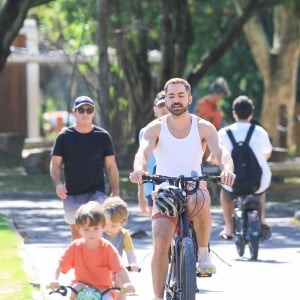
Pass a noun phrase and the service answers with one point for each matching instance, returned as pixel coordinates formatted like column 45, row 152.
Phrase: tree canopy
column 197, row 40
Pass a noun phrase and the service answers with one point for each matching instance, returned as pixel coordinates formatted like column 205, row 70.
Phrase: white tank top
column 175, row 156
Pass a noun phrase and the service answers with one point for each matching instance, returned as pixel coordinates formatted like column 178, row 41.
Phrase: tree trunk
column 103, row 63
column 12, row 17
column 278, row 66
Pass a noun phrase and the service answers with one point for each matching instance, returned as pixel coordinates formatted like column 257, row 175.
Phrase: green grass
column 42, row 183
column 13, row 280
column 26, row 183
column 127, row 189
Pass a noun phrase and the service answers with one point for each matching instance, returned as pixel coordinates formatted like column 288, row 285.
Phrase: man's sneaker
column 205, row 265
column 265, row 232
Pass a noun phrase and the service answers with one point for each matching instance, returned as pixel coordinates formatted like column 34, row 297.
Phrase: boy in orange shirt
column 93, row 258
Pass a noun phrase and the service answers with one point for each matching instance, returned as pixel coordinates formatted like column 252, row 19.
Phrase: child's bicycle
column 87, row 292
column 247, row 225
column 181, row 278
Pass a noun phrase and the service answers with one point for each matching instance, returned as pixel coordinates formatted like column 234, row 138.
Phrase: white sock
column 202, row 251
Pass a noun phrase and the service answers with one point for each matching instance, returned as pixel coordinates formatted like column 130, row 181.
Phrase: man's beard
column 177, row 109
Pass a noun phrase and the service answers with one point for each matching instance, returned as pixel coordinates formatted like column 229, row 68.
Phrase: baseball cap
column 159, row 98
column 83, row 100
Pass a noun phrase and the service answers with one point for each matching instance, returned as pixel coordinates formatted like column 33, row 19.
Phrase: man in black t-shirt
column 84, row 150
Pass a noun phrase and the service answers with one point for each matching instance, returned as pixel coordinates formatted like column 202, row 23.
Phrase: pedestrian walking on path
column 84, row 150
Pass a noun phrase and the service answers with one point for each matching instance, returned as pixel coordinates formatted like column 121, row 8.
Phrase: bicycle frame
column 181, row 278
column 182, row 242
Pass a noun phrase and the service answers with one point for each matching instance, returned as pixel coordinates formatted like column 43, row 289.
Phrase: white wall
column 29, row 29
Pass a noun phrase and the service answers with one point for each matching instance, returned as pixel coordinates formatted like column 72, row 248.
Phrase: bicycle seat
column 251, row 202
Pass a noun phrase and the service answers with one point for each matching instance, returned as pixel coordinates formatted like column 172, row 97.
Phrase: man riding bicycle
column 178, row 141
column 242, row 110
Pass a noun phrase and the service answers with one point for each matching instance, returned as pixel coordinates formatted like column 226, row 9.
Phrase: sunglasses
column 89, row 110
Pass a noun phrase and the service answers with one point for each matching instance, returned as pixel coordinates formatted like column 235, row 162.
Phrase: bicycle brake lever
column 129, row 268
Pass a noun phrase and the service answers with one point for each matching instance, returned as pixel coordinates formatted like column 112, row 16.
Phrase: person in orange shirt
column 208, row 107
column 92, row 255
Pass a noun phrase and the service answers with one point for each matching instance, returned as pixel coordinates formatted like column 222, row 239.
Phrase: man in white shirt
column 262, row 148
column 177, row 140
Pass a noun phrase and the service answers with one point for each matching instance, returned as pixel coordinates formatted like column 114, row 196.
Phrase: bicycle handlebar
column 63, row 290
column 130, row 268
column 181, row 180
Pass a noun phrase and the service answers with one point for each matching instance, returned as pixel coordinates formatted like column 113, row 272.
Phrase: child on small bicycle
column 93, row 258
column 116, row 212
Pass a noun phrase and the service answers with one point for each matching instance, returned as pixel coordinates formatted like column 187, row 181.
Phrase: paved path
column 40, row 221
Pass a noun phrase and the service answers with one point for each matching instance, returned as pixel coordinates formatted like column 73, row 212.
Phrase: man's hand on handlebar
column 137, row 176
column 227, row 177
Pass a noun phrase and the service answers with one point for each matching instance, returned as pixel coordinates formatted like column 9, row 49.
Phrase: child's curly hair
column 116, row 209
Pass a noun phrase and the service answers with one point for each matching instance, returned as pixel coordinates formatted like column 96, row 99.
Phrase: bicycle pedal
column 203, row 274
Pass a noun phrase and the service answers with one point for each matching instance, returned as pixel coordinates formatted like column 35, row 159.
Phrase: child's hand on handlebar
column 128, row 288
column 133, row 268
column 54, row 285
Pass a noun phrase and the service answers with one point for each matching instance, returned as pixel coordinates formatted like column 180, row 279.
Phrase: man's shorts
column 72, row 203
column 232, row 195
column 156, row 214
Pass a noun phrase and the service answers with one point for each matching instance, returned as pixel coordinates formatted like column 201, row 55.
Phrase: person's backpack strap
column 231, row 137
column 249, row 134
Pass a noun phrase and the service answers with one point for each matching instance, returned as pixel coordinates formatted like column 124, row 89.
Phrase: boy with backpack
column 250, row 148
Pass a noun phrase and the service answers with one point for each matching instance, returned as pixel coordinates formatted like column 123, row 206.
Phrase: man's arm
column 267, row 146
column 143, row 204
column 113, row 174
column 147, row 145
column 220, row 153
column 55, row 165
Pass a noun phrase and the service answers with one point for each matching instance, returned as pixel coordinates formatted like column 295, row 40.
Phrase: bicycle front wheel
column 188, row 286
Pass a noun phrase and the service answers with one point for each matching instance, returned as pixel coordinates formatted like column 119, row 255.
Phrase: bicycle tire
column 192, row 234
column 239, row 240
column 254, row 247
column 187, row 270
